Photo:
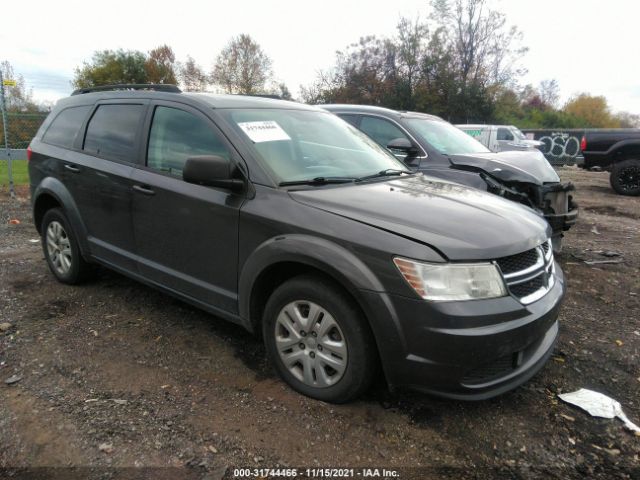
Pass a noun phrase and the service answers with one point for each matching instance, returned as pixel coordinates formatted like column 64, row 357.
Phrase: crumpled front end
column 554, row 201
column 526, row 178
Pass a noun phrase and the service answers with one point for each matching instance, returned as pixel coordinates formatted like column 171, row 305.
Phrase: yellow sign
column 9, row 83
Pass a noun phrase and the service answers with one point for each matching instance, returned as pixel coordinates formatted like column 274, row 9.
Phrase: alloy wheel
column 59, row 247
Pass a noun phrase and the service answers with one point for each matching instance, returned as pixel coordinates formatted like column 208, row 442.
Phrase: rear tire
column 61, row 248
column 318, row 340
column 625, row 177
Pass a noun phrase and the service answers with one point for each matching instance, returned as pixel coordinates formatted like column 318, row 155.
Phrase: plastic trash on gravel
column 598, row 405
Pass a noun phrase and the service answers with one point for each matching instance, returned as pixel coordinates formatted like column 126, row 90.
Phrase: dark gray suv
column 290, row 222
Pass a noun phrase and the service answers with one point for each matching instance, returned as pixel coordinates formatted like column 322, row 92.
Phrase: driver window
column 505, row 134
column 382, row 131
column 177, row 135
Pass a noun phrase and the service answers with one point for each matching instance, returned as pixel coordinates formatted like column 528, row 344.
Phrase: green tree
column 109, row 67
column 160, row 65
column 242, row 67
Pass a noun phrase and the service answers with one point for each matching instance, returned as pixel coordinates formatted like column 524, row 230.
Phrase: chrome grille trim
column 536, row 266
column 543, row 267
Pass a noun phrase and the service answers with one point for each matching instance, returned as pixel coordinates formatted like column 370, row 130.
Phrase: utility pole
column 6, row 136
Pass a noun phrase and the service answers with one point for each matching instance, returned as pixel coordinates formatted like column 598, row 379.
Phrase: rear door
column 99, row 176
column 186, row 235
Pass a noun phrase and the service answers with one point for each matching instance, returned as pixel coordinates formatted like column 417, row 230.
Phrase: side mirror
column 403, row 145
column 212, row 171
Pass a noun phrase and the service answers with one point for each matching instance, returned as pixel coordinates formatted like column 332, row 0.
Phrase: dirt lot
column 115, row 375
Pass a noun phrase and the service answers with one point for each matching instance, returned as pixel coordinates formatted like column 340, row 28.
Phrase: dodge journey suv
column 290, row 222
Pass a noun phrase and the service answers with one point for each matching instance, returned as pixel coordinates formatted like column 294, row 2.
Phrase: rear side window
column 64, row 128
column 177, row 135
column 112, row 130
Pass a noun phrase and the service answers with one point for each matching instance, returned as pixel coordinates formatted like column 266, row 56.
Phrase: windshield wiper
column 319, row 181
column 389, row 172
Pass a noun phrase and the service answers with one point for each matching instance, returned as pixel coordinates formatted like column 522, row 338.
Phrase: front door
column 186, row 235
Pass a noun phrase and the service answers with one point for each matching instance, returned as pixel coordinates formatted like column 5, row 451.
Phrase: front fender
column 56, row 189
column 316, row 252
column 338, row 263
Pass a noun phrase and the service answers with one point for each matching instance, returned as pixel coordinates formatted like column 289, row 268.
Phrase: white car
column 500, row 138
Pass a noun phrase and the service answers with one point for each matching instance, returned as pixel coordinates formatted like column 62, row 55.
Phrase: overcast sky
column 587, row 45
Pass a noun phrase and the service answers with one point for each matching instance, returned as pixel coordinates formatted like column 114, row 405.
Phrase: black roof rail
column 260, row 95
column 158, row 87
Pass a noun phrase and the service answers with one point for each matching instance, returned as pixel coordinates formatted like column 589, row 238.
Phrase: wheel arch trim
column 55, row 188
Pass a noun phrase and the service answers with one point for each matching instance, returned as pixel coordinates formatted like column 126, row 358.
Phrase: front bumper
column 470, row 350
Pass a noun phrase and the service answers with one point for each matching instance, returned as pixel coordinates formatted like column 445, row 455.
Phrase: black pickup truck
column 617, row 151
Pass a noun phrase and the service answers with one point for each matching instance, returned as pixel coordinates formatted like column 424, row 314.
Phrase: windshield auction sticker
column 265, row 131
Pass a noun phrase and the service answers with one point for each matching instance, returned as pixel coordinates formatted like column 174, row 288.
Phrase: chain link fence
column 21, row 128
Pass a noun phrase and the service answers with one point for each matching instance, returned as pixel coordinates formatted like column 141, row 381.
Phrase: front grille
column 527, row 288
column 518, row 262
column 529, row 275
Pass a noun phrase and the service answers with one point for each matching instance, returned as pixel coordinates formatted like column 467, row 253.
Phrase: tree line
column 463, row 63
column 241, row 67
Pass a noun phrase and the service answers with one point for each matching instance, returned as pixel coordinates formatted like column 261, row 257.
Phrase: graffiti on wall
column 560, row 147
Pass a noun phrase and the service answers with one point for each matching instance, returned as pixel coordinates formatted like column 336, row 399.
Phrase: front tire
column 61, row 248
column 318, row 341
column 625, row 177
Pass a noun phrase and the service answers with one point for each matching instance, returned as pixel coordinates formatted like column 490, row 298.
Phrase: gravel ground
column 117, row 380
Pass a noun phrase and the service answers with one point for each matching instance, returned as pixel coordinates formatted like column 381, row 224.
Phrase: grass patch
column 19, row 170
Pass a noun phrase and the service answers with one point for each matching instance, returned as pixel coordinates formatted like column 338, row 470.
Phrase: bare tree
column 628, row 120
column 242, row 66
column 411, row 50
column 18, row 98
column 486, row 49
column 192, row 77
column 549, row 92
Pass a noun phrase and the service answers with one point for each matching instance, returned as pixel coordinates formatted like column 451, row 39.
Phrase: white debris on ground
column 598, row 405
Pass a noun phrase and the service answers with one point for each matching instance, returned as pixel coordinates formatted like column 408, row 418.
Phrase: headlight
column 452, row 281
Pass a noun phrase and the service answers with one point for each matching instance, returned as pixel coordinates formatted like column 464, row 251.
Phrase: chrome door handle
column 144, row 190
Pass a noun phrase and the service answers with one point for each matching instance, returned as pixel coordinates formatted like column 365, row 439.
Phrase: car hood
column 528, row 166
column 532, row 143
column 460, row 222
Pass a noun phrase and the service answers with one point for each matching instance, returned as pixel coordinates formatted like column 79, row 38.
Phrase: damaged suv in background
column 435, row 147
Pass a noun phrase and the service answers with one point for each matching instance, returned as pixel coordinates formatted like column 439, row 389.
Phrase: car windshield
column 299, row 145
column 446, row 138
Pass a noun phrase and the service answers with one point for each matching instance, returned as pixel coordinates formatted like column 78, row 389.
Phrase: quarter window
column 112, row 132
column 177, row 135
column 64, row 128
